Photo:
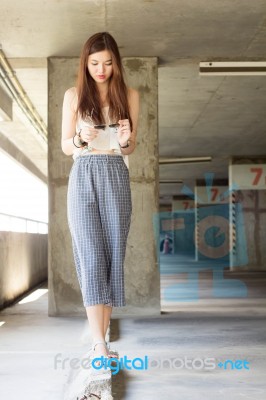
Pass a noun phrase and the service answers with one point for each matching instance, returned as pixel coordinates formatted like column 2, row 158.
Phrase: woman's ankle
column 100, row 348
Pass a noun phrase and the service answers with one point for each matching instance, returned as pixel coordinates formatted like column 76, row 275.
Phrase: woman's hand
column 87, row 134
column 124, row 132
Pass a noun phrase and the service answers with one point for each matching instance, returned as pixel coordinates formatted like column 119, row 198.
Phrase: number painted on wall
column 248, row 176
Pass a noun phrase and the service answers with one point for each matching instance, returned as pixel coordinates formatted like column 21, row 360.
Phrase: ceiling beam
column 27, row 62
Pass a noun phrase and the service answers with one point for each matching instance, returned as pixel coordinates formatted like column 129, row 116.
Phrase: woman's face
column 100, row 66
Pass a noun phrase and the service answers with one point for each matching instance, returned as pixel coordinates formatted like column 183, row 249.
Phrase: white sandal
column 104, row 370
column 111, row 353
column 103, row 396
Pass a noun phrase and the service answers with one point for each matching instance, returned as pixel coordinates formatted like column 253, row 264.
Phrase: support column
column 247, row 178
column 141, row 273
column 183, row 211
column 212, row 221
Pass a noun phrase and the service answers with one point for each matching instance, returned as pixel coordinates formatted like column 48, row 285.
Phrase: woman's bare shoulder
column 71, row 92
column 132, row 92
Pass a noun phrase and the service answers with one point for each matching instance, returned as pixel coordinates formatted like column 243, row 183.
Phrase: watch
column 127, row 145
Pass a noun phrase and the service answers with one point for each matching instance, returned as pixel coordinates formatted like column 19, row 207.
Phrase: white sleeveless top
column 106, row 139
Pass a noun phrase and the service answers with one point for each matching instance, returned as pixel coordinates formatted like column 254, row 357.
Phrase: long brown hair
column 87, row 90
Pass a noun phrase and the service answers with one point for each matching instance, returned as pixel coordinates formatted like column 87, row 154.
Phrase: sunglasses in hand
column 104, row 126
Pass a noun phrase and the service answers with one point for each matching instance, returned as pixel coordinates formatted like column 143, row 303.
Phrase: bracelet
column 124, row 147
column 79, row 136
column 75, row 143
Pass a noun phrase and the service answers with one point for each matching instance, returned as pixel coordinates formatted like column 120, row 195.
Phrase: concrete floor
column 224, row 329
column 192, row 285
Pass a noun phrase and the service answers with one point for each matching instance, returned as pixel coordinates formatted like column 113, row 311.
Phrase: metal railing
column 13, row 223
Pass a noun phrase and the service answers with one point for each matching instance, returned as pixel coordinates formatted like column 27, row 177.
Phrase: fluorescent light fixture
column 13, row 86
column 170, row 181
column 2, row 323
column 184, row 160
column 233, row 68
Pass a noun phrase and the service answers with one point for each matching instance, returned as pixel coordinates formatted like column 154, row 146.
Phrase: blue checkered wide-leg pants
column 99, row 211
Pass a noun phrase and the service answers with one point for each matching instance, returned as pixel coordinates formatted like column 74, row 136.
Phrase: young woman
column 99, row 128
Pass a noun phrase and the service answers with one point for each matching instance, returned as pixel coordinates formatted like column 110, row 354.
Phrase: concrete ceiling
column 198, row 116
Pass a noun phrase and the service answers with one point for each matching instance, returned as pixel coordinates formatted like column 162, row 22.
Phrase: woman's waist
column 85, row 152
column 99, row 158
column 96, row 151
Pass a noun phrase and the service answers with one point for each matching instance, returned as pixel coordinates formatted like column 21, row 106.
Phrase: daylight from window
column 23, row 198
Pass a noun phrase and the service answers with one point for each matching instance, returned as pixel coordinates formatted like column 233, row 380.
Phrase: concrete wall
column 23, row 263
column 141, row 270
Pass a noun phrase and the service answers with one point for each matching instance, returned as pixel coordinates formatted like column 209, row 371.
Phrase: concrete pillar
column 141, row 271
column 247, row 179
column 212, row 221
column 183, row 211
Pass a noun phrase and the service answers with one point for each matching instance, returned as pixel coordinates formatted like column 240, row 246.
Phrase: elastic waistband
column 96, row 158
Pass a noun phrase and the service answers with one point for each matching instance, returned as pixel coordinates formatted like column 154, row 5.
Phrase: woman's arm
column 69, row 122
column 133, row 101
